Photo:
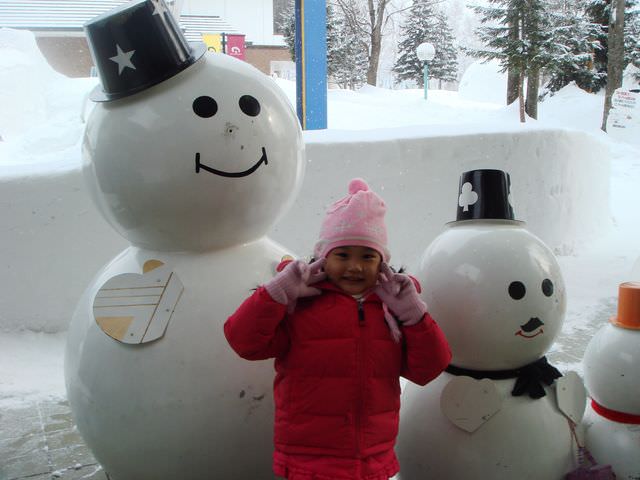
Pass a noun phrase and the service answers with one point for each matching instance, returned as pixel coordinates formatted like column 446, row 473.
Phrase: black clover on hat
column 484, row 194
column 135, row 46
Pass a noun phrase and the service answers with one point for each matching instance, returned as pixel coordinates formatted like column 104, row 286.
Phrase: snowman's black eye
column 517, row 290
column 249, row 105
column 547, row 287
column 205, row 106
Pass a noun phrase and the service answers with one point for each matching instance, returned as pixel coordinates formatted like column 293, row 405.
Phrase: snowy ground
column 41, row 126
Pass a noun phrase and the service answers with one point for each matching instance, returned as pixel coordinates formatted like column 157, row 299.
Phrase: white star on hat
column 159, row 7
column 123, row 59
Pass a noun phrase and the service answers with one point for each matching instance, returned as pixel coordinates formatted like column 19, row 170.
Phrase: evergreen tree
column 346, row 53
column 615, row 55
column 424, row 24
column 444, row 65
column 347, row 57
column 632, row 40
column 288, row 28
column 515, row 33
column 578, row 45
column 599, row 12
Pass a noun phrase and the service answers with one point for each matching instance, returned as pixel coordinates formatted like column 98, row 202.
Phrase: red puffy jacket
column 337, row 389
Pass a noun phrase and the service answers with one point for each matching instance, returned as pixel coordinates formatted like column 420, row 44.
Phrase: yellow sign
column 213, row 41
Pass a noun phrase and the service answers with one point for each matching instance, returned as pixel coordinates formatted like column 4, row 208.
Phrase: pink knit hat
column 357, row 219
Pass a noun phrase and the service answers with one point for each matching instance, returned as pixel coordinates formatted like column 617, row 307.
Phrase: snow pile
column 572, row 107
column 30, row 367
column 630, row 78
column 41, row 109
column 25, row 79
column 483, row 82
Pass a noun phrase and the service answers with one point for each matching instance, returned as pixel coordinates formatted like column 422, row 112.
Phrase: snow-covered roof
column 68, row 16
column 194, row 25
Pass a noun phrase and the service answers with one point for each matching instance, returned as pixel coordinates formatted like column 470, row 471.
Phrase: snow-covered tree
column 444, row 65
column 599, row 12
column 615, row 55
column 288, row 29
column 632, row 39
column 578, row 44
column 420, row 22
column 347, row 63
column 369, row 21
column 346, row 52
column 515, row 32
column 425, row 24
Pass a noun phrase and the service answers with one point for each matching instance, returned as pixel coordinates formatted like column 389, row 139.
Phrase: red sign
column 235, row 46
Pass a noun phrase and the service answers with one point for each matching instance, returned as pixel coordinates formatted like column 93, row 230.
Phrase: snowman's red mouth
column 522, row 334
column 533, row 324
column 222, row 173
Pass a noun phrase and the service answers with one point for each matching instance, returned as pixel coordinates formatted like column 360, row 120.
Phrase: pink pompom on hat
column 357, row 219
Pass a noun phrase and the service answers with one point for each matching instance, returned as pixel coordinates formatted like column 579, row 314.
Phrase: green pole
column 426, row 79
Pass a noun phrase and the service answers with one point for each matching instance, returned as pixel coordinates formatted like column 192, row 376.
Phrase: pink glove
column 399, row 293
column 294, row 282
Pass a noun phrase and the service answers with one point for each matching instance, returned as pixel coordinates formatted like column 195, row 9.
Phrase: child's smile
column 354, row 269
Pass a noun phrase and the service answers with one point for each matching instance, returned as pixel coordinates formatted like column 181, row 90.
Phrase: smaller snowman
column 612, row 421
column 498, row 294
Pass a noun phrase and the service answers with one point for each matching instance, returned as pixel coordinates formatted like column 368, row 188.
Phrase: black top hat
column 135, row 46
column 484, row 194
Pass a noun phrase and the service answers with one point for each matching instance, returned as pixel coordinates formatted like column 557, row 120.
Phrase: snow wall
column 54, row 240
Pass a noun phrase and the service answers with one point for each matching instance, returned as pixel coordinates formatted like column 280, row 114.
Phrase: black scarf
column 529, row 378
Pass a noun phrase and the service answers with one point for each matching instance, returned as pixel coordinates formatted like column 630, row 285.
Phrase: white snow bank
column 483, row 82
column 559, row 183
column 30, row 368
column 54, row 241
column 41, row 109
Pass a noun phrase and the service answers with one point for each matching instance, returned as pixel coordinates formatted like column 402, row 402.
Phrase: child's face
column 354, row 269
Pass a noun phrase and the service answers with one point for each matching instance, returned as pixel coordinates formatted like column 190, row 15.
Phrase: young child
column 342, row 329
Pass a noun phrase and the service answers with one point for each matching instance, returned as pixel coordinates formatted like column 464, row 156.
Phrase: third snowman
column 497, row 292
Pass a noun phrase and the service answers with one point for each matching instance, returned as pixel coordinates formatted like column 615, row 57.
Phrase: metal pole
column 425, row 79
column 311, row 63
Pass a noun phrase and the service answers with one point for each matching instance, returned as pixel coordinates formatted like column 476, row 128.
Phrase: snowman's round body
column 526, row 439
column 498, row 294
column 612, row 434
column 193, row 171
column 185, row 405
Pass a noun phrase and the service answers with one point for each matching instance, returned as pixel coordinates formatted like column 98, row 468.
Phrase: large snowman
column 191, row 157
column 497, row 293
column 612, row 376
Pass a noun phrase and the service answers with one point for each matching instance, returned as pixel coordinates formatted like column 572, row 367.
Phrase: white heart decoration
column 470, row 403
column 136, row 308
column 572, row 396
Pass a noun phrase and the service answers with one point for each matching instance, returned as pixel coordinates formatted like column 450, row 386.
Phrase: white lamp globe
column 425, row 52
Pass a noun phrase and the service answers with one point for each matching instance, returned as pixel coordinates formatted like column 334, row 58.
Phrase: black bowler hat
column 135, row 46
column 484, row 194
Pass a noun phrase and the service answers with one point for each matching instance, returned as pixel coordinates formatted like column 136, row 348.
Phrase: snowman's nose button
column 532, row 324
column 230, row 129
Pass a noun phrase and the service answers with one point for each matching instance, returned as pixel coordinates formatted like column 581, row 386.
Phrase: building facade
column 57, row 25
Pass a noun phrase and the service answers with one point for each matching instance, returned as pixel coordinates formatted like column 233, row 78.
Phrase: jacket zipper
column 361, row 366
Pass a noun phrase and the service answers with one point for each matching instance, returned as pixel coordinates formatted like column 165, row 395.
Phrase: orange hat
column 628, row 306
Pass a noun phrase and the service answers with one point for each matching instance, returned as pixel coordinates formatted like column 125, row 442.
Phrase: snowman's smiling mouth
column 533, row 324
column 222, row 173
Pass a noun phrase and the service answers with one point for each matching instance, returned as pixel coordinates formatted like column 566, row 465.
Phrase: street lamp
column 425, row 53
